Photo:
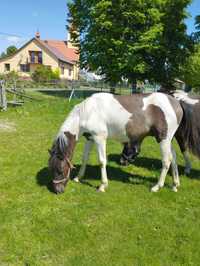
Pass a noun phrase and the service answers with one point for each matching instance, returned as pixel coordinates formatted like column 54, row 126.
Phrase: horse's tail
column 190, row 127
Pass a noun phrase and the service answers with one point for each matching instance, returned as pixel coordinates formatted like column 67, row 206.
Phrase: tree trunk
column 133, row 86
column 112, row 87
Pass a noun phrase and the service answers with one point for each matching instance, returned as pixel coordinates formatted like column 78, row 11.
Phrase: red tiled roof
column 61, row 50
column 58, row 48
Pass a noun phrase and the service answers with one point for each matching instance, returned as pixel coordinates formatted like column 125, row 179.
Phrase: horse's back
column 135, row 115
column 103, row 114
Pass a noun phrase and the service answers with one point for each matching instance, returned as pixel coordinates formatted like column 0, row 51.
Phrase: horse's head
column 59, row 161
column 129, row 153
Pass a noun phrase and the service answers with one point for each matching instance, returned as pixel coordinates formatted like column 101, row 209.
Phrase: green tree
column 11, row 50
column 174, row 45
column 191, row 69
column 3, row 54
column 131, row 39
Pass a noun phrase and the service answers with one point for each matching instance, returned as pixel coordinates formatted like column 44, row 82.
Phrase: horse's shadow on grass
column 44, row 177
column 152, row 163
column 93, row 172
column 149, row 163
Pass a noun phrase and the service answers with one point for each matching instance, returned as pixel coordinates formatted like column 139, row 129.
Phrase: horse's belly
column 120, row 138
column 117, row 132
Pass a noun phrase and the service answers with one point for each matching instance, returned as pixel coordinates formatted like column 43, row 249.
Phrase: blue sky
column 20, row 19
column 23, row 17
column 194, row 10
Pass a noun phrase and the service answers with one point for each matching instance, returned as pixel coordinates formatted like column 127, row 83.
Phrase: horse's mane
column 60, row 144
column 62, row 141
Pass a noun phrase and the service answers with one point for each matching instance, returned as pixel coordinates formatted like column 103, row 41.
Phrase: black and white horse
column 124, row 118
column 187, row 135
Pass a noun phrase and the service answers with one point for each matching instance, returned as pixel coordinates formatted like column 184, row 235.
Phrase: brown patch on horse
column 142, row 123
column 136, row 128
column 132, row 103
column 71, row 144
column 177, row 108
column 150, row 122
column 157, row 121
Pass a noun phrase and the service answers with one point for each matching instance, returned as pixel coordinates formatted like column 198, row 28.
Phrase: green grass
column 127, row 225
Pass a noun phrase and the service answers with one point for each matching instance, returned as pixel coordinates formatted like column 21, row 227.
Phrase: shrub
column 56, row 74
column 44, row 73
column 12, row 75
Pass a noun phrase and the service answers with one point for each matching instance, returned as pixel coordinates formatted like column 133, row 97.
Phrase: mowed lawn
column 127, row 225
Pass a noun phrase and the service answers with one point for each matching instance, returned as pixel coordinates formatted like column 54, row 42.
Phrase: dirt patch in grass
column 7, row 126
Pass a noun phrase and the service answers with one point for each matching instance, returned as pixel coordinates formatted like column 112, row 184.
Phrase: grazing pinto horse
column 124, row 118
column 187, row 135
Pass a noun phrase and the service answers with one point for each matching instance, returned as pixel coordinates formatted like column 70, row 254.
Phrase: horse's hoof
column 174, row 189
column 187, row 172
column 101, row 189
column 76, row 179
column 155, row 188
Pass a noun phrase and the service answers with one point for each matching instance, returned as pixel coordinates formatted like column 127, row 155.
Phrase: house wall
column 22, row 57
column 69, row 71
column 75, row 71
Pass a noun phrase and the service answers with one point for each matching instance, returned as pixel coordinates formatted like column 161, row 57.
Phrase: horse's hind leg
column 187, row 163
column 87, row 149
column 181, row 143
column 175, row 175
column 166, row 153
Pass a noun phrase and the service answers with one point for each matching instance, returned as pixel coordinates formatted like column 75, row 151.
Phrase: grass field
column 127, row 225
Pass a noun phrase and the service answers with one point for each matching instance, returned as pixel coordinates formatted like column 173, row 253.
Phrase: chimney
column 37, row 35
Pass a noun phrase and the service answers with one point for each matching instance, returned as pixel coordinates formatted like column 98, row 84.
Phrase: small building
column 179, row 84
column 55, row 54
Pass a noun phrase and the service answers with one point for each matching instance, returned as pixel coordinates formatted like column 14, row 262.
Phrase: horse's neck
column 71, row 124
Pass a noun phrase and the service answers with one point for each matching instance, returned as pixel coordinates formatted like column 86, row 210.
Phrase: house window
column 24, row 68
column 40, row 57
column 32, row 57
column 7, row 67
column 35, row 57
column 62, row 70
column 70, row 72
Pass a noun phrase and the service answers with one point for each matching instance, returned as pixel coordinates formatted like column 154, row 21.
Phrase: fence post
column 15, row 90
column 3, row 100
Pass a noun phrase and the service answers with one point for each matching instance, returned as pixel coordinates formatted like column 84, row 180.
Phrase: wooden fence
column 17, row 96
column 3, row 100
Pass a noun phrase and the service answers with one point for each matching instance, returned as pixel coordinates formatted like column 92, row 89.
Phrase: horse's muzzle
column 59, row 187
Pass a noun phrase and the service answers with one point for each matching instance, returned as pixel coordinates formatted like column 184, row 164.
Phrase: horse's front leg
column 165, row 147
column 87, row 149
column 101, row 149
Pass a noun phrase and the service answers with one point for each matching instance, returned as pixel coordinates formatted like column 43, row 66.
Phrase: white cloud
column 14, row 39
